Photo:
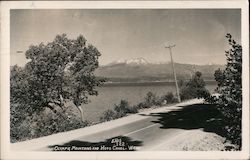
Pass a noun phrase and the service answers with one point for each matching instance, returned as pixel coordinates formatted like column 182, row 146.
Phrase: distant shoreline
column 147, row 83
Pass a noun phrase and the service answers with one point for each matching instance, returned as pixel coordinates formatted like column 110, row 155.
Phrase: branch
column 61, row 101
column 51, row 108
column 55, row 111
column 56, row 103
column 60, row 104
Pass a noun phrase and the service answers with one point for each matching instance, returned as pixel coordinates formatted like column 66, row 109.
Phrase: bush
column 168, row 98
column 19, row 126
column 150, row 100
column 230, row 92
column 187, row 92
column 123, row 109
column 195, row 88
column 108, row 115
column 49, row 123
column 20, row 131
column 120, row 110
column 43, row 124
column 133, row 109
column 142, row 105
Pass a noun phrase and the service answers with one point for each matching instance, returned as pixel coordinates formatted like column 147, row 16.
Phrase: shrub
column 108, row 115
column 20, row 131
column 150, row 100
column 141, row 105
column 46, row 123
column 195, row 88
column 123, row 109
column 168, row 98
column 186, row 93
column 230, row 91
column 50, row 123
column 133, row 109
column 120, row 110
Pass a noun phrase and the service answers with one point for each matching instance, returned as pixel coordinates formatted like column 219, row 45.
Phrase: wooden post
column 172, row 62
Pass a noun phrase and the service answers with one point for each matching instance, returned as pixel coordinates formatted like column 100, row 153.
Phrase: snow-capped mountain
column 135, row 61
column 139, row 69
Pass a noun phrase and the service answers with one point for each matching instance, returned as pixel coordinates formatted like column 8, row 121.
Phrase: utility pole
column 172, row 62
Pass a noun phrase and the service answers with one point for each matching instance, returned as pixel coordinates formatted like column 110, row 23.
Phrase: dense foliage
column 194, row 88
column 230, row 91
column 123, row 108
column 59, row 72
column 120, row 110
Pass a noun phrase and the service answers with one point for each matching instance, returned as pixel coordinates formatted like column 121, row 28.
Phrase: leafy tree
column 230, row 90
column 57, row 72
column 195, row 88
column 18, row 111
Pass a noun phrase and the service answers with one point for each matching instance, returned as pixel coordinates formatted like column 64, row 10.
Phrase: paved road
column 153, row 130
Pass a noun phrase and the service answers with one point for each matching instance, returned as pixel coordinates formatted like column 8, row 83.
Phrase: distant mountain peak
column 134, row 61
column 137, row 61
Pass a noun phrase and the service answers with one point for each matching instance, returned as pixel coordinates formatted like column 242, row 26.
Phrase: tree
column 57, row 72
column 195, row 88
column 18, row 111
column 230, row 90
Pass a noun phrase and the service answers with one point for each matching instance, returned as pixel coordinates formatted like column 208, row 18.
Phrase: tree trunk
column 81, row 113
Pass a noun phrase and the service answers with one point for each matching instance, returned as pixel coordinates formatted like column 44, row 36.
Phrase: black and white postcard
column 124, row 80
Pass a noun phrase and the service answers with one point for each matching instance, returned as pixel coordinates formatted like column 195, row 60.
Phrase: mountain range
column 140, row 70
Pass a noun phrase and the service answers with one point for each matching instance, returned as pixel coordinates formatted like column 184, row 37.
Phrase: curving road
column 149, row 130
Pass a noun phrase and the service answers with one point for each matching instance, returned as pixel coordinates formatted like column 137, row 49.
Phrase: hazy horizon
column 199, row 34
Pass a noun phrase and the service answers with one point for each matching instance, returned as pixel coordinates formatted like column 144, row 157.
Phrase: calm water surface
column 133, row 93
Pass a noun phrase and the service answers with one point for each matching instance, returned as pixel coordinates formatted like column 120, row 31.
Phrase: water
column 133, row 93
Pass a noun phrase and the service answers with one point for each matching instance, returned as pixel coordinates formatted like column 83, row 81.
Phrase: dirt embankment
column 196, row 140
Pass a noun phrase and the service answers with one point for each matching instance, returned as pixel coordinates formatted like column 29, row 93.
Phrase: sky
column 122, row 34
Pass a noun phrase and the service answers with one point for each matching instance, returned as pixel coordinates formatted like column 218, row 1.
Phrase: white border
column 6, row 153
